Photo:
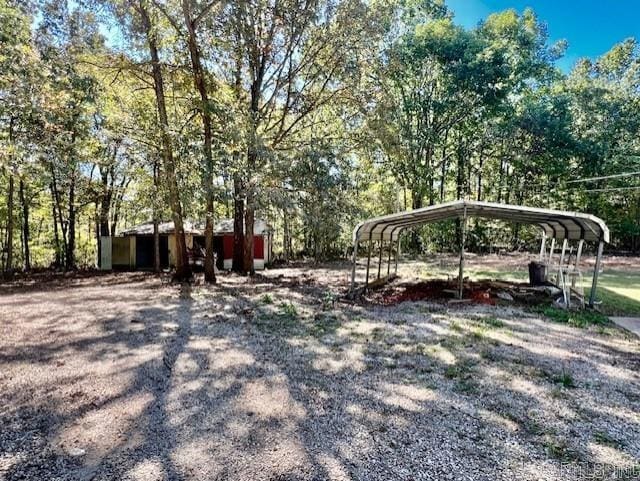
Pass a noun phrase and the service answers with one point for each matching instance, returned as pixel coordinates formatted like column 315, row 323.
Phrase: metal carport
column 554, row 224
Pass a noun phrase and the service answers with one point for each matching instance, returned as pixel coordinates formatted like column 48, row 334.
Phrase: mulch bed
column 439, row 290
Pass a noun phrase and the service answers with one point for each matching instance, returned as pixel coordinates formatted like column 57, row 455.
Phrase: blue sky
column 591, row 27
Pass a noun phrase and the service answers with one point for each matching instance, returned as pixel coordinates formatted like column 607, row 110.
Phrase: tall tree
column 183, row 270
column 291, row 59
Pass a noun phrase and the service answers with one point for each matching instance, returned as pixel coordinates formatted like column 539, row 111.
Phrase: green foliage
column 321, row 114
column 288, row 311
column 565, row 379
column 493, row 321
column 605, row 439
column 559, row 449
column 582, row 319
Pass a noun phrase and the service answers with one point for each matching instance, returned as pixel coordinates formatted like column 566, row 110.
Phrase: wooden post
column 462, row 242
column 366, row 282
column 355, row 261
column 594, row 284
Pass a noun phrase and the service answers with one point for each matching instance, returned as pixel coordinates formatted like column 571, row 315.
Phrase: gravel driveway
column 121, row 377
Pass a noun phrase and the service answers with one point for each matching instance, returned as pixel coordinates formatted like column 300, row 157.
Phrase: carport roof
column 555, row 223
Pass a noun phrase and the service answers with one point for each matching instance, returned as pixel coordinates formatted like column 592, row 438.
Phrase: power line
column 593, row 179
column 552, row 185
column 613, row 189
column 560, row 186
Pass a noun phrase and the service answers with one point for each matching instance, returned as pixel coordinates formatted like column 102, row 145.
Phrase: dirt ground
column 122, row 376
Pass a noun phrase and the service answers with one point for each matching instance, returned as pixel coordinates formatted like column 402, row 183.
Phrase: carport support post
column 366, row 282
column 560, row 274
column 596, row 271
column 380, row 257
column 353, row 268
column 462, row 242
column 397, row 253
column 576, row 265
column 543, row 245
column 579, row 253
column 564, row 250
column 551, row 249
column 390, row 245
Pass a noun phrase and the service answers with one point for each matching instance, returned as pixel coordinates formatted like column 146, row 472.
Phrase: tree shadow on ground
column 271, row 380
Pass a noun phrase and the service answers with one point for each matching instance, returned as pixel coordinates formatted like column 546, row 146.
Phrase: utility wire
column 552, row 185
column 593, row 179
column 613, row 189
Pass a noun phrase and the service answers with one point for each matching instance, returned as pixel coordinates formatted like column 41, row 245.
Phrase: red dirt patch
column 481, row 292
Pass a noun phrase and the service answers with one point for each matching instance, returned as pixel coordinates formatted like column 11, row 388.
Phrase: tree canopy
column 310, row 114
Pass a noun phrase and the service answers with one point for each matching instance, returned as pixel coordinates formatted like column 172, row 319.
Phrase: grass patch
column 266, row 299
column 288, row 311
column 559, row 449
column 460, row 370
column 462, row 373
column 493, row 322
column 619, row 301
column 565, row 379
column 477, row 334
column 282, row 320
column 377, row 334
column 328, row 300
column 455, row 326
column 579, row 319
column 489, row 355
column 605, row 439
column 324, row 323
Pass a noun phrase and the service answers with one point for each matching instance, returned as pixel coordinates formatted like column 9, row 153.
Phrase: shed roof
column 555, row 223
column 225, row 226
column 190, row 227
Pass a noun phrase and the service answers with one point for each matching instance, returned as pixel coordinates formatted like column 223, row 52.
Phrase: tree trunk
column 460, row 178
column 103, row 213
column 443, row 172
column 500, row 179
column 98, row 236
column 431, row 176
column 105, row 207
column 238, row 226
column 56, row 235
column 183, row 270
column 25, row 227
column 156, row 246
column 249, row 217
column 156, row 232
column 480, row 164
column 200, row 84
column 415, row 243
column 507, row 195
column 8, row 271
column 287, row 236
column 70, row 261
column 117, row 205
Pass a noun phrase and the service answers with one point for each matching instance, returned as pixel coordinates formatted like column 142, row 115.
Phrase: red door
column 258, row 247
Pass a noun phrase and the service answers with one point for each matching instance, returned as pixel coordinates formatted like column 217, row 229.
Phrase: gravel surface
column 120, row 376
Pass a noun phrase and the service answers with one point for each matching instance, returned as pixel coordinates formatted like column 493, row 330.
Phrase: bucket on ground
column 537, row 273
